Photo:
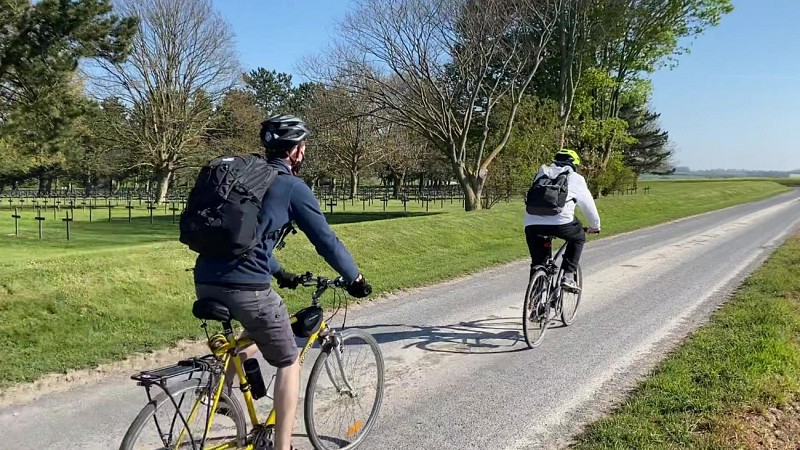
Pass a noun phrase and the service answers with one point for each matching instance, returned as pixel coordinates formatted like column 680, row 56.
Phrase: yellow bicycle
column 195, row 407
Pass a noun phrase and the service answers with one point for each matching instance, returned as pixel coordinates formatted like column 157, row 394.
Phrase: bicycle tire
column 146, row 413
column 534, row 337
column 568, row 317
column 320, row 367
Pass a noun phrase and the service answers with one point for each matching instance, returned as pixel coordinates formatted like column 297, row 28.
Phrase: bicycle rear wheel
column 536, row 309
column 571, row 300
column 342, row 407
column 159, row 425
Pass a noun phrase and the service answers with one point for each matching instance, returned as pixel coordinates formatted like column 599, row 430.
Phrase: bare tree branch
column 181, row 64
column 439, row 68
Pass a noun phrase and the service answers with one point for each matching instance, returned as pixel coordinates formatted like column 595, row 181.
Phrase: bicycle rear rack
column 161, row 375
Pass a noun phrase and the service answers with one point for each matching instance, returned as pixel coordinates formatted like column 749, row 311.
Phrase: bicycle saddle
column 211, row 310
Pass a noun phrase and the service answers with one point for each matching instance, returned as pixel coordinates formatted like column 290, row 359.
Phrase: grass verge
column 747, row 358
column 120, row 288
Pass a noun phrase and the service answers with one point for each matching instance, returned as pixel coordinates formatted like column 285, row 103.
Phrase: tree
column 405, row 152
column 42, row 42
column 536, row 130
column 181, row 64
column 275, row 94
column 347, row 131
column 302, row 98
column 15, row 167
column 440, row 68
column 650, row 151
column 99, row 155
column 273, row 90
column 43, row 127
column 577, row 27
column 647, row 34
column 40, row 96
column 236, row 124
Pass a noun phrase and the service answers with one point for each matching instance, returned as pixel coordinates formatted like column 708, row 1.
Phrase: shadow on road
column 483, row 336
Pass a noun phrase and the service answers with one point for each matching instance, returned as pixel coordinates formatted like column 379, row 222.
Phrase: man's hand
column 359, row 288
column 287, row 280
column 592, row 230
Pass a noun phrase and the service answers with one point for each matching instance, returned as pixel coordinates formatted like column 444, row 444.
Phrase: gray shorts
column 264, row 318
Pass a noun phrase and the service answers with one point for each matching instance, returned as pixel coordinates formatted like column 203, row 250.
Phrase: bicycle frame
column 226, row 348
column 551, row 264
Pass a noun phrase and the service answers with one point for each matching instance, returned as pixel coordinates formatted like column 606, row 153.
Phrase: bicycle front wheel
column 536, row 309
column 571, row 300
column 342, row 406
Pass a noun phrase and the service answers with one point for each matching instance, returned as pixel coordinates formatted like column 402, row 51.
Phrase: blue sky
column 733, row 102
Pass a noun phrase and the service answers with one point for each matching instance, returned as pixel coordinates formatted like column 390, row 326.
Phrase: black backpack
column 547, row 196
column 222, row 212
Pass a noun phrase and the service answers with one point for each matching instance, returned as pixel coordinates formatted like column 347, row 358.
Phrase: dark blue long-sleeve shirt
column 288, row 199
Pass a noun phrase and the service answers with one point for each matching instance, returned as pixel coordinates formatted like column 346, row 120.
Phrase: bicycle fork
column 338, row 348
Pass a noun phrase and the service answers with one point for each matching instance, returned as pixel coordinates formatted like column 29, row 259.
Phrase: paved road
column 458, row 374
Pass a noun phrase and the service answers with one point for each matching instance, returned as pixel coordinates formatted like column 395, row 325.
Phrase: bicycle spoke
column 352, row 409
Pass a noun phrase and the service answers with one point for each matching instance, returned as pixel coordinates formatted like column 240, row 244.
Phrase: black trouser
column 572, row 233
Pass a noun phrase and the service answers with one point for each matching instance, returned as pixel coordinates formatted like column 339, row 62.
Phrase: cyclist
column 563, row 225
column 244, row 285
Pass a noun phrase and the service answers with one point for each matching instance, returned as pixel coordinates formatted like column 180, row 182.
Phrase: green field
column 793, row 182
column 118, row 288
column 745, row 361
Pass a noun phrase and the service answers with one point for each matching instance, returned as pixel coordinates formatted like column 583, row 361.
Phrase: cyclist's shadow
column 483, row 336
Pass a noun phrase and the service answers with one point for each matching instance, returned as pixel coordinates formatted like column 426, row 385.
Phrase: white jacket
column 578, row 190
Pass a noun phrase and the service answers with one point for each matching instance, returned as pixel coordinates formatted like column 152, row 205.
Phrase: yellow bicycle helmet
column 568, row 155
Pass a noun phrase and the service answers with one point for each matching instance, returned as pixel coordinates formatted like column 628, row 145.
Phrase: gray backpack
column 547, row 196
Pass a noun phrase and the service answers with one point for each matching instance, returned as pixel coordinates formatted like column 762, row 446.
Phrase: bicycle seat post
column 227, row 328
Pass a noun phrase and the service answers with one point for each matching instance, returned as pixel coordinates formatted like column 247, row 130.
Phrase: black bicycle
column 545, row 299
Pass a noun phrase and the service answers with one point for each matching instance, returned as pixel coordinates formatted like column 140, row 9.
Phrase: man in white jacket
column 563, row 224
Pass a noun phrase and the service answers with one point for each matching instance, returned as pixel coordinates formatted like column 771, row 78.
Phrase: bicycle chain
column 262, row 438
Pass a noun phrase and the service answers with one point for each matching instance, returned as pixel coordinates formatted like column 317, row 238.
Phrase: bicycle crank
column 262, row 438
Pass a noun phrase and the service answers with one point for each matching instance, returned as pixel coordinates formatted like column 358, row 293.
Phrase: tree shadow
column 360, row 216
column 121, row 231
column 163, row 226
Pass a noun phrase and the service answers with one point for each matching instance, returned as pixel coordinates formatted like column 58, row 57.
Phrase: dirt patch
column 52, row 383
column 774, row 428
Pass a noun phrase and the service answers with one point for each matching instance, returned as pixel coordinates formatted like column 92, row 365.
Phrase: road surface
column 459, row 375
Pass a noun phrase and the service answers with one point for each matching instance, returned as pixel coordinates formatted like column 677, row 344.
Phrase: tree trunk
column 397, row 183
column 164, row 176
column 353, row 184
column 471, row 186
column 472, row 199
column 45, row 185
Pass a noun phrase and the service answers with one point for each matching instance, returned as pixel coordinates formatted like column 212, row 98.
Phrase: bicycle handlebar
column 309, row 280
column 321, row 284
column 586, row 230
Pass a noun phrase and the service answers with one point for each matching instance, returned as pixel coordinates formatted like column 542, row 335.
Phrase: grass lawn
column 121, row 287
column 747, row 359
